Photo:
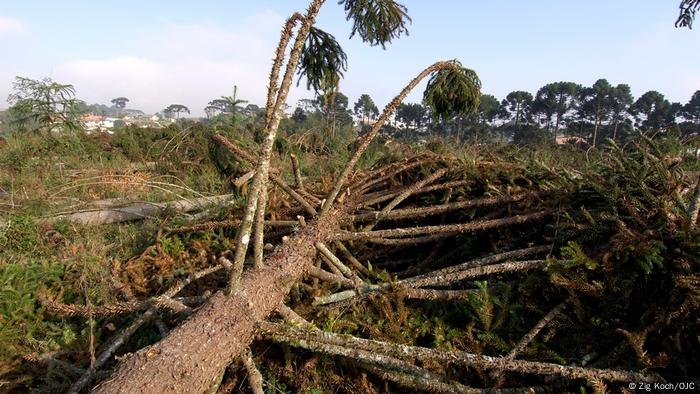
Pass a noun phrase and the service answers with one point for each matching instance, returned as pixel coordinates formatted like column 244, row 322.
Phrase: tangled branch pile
column 508, row 272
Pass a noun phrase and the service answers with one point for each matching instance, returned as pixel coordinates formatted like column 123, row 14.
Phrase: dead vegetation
column 538, row 277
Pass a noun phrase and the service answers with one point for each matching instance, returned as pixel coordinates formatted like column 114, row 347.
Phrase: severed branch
column 444, row 280
column 242, row 154
column 380, row 175
column 326, row 276
column 297, row 173
column 380, row 197
column 292, row 317
column 434, row 295
column 254, row 375
column 471, row 269
column 447, row 228
column 318, row 340
column 415, row 213
column 436, row 277
column 527, row 338
column 395, row 369
column 484, row 270
column 411, row 241
column 404, row 195
column 208, row 226
column 335, row 261
column 349, row 256
column 420, row 380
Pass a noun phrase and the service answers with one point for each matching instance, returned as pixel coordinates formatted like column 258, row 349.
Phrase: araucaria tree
column 365, row 108
column 120, row 102
column 43, row 106
column 194, row 354
column 175, row 109
column 517, row 106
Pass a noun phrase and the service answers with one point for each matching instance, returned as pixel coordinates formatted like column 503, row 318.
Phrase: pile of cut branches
column 441, row 275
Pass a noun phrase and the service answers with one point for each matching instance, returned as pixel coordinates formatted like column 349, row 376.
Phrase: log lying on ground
column 138, row 211
column 191, row 357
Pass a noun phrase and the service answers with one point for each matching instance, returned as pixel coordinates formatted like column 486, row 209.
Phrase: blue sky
column 158, row 53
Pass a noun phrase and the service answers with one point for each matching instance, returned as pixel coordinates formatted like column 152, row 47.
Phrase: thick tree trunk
column 192, row 356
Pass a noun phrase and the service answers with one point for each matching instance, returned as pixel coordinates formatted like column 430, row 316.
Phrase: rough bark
column 257, row 197
column 191, row 357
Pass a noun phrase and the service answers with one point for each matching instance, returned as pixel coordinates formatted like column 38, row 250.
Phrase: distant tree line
column 591, row 113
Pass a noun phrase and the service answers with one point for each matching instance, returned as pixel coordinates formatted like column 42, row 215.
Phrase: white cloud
column 10, row 27
column 187, row 64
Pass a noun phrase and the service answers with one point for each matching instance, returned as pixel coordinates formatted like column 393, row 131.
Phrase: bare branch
column 379, row 197
column 404, row 195
column 347, row 272
column 297, row 173
column 367, row 139
column 448, row 228
column 414, row 213
column 354, row 347
column 241, row 153
column 254, row 375
column 436, row 277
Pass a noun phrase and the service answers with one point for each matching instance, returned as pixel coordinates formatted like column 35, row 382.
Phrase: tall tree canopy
column 120, row 102
column 365, row 107
column 653, row 111
column 489, row 108
column 411, row 114
column 691, row 110
column 620, row 101
column 595, row 104
column 516, row 106
column 175, row 109
column 556, row 99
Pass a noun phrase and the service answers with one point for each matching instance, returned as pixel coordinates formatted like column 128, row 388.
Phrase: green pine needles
column 377, row 21
column 453, row 90
column 322, row 61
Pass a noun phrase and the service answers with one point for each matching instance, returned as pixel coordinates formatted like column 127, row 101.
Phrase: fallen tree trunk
column 137, row 211
column 192, row 356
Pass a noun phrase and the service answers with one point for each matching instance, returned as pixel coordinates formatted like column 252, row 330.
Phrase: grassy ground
column 41, row 176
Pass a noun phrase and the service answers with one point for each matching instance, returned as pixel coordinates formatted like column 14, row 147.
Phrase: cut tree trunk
column 138, row 211
column 192, row 356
